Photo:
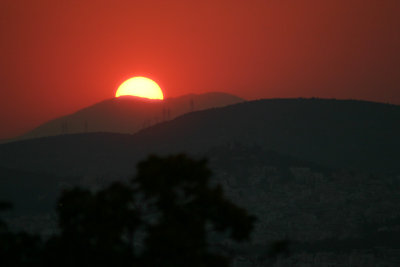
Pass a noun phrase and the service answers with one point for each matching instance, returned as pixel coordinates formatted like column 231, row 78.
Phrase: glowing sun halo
column 141, row 87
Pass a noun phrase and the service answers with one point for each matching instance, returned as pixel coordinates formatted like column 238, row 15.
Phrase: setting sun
column 141, row 87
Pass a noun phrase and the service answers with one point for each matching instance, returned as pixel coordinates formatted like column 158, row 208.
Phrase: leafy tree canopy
column 162, row 218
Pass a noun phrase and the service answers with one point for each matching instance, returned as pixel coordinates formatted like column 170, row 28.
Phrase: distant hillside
column 129, row 114
column 335, row 133
column 73, row 155
column 29, row 192
column 321, row 173
column 319, row 210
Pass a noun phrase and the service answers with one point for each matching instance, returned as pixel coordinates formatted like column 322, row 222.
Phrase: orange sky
column 60, row 56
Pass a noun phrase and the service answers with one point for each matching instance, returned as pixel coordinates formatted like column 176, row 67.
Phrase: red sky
column 60, row 56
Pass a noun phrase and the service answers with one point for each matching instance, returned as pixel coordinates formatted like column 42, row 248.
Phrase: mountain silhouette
column 28, row 191
column 335, row 133
column 129, row 114
column 320, row 172
column 347, row 134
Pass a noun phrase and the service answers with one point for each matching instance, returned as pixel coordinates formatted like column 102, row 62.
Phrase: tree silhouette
column 4, row 206
column 178, row 192
column 96, row 228
column 17, row 249
column 170, row 202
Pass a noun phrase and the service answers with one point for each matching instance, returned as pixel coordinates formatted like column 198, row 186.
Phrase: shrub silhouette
column 17, row 249
column 4, row 206
column 177, row 189
column 96, row 228
column 161, row 219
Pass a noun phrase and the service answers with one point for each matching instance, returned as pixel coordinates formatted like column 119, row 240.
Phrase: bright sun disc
column 141, row 87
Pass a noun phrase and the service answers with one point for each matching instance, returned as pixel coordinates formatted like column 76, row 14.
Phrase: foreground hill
column 28, row 191
column 128, row 114
column 302, row 166
column 335, row 133
column 330, row 216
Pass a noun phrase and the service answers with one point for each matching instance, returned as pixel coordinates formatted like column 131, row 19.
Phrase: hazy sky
column 60, row 56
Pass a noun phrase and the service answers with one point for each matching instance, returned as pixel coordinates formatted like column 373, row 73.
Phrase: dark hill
column 278, row 158
column 335, row 133
column 29, row 192
column 129, row 114
column 91, row 154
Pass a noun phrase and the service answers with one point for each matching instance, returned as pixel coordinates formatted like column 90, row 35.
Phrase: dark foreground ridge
column 169, row 215
column 322, row 173
column 344, row 134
